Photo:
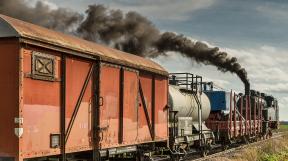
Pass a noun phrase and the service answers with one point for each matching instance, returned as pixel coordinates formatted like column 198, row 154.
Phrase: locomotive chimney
column 247, row 88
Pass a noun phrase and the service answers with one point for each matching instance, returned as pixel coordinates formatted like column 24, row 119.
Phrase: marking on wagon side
column 18, row 132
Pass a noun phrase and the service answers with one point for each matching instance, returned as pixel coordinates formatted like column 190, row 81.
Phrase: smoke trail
column 60, row 19
column 201, row 53
column 135, row 34
column 129, row 32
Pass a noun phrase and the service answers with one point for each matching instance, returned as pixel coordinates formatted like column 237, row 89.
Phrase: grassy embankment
column 283, row 127
column 272, row 150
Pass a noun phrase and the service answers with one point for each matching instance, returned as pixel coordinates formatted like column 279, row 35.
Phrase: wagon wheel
column 204, row 152
column 206, row 149
column 266, row 136
column 258, row 138
column 224, row 147
column 141, row 157
column 247, row 139
column 270, row 133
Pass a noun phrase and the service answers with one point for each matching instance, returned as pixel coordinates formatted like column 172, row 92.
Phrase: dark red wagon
column 62, row 96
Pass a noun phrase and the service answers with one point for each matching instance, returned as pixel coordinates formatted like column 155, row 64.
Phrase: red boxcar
column 61, row 95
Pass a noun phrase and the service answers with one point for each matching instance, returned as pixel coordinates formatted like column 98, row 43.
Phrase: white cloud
column 218, row 83
column 275, row 87
column 265, row 64
column 163, row 9
column 274, row 11
column 154, row 9
column 283, row 102
column 51, row 5
column 269, row 49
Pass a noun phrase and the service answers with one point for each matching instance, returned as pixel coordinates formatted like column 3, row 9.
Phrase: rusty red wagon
column 63, row 96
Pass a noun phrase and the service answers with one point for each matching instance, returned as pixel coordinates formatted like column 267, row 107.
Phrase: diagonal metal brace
column 80, row 98
column 145, row 110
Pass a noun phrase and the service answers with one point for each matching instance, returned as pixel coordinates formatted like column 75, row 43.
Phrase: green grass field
column 283, row 127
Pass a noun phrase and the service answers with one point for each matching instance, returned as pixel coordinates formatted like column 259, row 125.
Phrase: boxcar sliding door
column 118, row 115
column 80, row 100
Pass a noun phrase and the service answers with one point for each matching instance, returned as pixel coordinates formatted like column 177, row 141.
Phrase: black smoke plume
column 130, row 32
column 201, row 53
column 60, row 19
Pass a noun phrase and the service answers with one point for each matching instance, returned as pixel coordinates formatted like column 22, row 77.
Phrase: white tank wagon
column 186, row 104
column 189, row 108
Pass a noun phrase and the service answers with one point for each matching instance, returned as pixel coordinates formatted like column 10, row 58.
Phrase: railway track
column 233, row 149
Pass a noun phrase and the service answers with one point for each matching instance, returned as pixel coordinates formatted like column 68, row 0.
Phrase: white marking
column 18, row 132
column 83, row 125
column 18, row 120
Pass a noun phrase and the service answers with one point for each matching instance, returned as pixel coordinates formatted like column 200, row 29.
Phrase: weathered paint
column 41, row 109
column 161, row 110
column 130, row 107
column 146, row 83
column 80, row 136
column 109, row 112
column 135, row 126
column 9, row 89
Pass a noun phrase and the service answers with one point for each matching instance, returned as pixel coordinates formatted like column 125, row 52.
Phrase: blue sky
column 255, row 31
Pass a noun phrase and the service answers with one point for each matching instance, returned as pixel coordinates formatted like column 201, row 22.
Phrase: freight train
column 64, row 98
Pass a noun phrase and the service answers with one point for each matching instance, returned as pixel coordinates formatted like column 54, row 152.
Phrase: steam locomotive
column 203, row 118
column 63, row 98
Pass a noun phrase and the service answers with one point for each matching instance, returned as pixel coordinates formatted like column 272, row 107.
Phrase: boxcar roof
column 10, row 27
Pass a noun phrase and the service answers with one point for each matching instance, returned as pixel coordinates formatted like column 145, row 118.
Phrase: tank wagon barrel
column 186, row 105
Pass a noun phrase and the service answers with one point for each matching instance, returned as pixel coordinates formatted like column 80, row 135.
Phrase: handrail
column 199, row 116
